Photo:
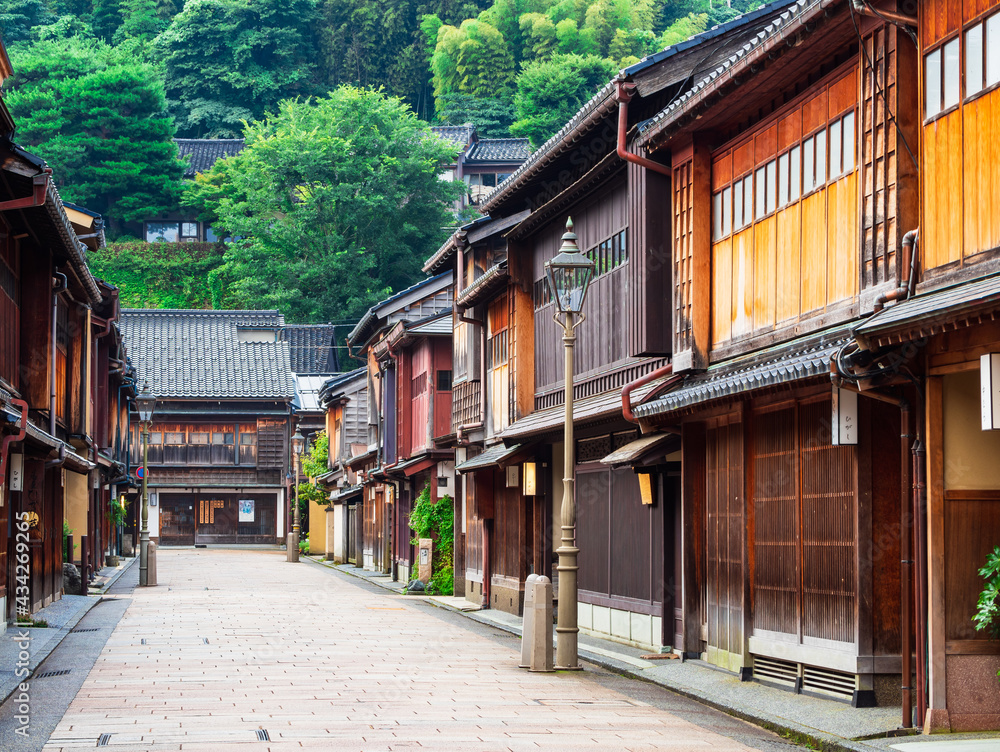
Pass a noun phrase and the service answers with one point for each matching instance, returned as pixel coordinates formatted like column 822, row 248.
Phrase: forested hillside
column 517, row 66
column 325, row 92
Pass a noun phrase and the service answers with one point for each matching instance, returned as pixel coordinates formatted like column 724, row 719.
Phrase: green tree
column 232, row 60
column 472, row 59
column 18, row 17
column 97, row 115
column 143, row 20
column 492, row 116
column 160, row 275
column 683, row 28
column 339, row 200
column 550, row 92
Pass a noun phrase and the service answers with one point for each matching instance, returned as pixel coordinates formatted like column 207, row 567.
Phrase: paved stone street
column 240, row 647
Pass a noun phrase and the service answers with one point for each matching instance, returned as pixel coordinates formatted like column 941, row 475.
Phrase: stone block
column 585, row 615
column 425, row 566
column 602, row 619
column 128, row 547
column 657, row 635
column 620, row 624
column 641, row 627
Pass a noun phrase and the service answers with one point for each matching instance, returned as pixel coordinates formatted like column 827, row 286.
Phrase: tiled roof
column 460, row 135
column 204, row 152
column 198, row 354
column 794, row 361
column 438, row 324
column 365, row 327
column 499, row 150
column 929, row 313
column 492, row 457
column 311, row 348
column 777, row 27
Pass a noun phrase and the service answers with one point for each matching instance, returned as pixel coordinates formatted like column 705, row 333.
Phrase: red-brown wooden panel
column 722, row 170
column 844, row 93
column 789, row 129
column 742, row 159
column 815, row 112
column 765, row 145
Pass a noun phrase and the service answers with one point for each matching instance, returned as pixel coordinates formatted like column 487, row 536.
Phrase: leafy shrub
column 987, row 616
column 437, row 521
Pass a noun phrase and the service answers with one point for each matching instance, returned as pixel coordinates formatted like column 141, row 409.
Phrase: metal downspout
column 623, row 93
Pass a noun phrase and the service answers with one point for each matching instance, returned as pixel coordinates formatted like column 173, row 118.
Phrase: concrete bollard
column 151, row 565
column 528, row 623
column 541, row 644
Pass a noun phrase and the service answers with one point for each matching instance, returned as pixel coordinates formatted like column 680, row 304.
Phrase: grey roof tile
column 197, row 354
column 499, row 150
column 205, row 152
column 311, row 348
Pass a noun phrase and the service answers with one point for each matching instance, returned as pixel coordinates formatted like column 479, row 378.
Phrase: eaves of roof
column 334, row 386
column 733, row 71
column 931, row 313
column 781, row 365
column 367, row 326
column 493, row 279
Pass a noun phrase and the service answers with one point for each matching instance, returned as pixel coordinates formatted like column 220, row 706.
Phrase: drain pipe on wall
column 624, row 93
column 14, row 437
column 862, row 8
column 908, row 271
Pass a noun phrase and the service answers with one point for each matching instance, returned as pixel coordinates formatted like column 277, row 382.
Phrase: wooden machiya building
column 219, row 446
column 508, row 385
column 405, row 344
column 63, row 385
column 792, row 191
column 345, row 399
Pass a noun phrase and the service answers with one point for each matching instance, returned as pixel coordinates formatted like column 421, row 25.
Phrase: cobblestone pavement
column 238, row 647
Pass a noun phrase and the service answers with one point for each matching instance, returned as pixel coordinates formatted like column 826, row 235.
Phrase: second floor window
column 982, row 55
column 941, row 74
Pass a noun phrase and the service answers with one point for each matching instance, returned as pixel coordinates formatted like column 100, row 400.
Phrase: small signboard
column 246, row 510
column 16, row 472
column 140, row 472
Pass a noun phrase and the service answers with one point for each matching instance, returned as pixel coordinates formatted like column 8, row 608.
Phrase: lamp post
column 568, row 275
column 292, row 549
column 144, row 404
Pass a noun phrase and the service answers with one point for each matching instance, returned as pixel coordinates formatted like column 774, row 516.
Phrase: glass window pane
column 155, row 437
column 849, row 142
column 727, row 211
column 198, row 437
column 761, row 186
column 808, row 170
column 161, row 232
column 993, row 50
column 974, row 60
column 932, row 84
column 738, row 221
column 175, row 437
column 951, row 69
column 820, row 158
column 189, row 229
column 795, row 173
column 717, row 216
column 624, row 246
column 783, row 179
column 772, row 186
column 836, row 158
column 747, row 200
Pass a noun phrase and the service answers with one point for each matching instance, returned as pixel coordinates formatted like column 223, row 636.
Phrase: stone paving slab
column 827, row 724
column 318, row 662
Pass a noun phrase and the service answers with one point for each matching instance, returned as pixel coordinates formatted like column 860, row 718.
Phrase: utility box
column 425, row 554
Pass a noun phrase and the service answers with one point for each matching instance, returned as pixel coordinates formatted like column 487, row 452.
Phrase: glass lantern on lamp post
column 568, row 275
column 144, row 403
column 298, row 446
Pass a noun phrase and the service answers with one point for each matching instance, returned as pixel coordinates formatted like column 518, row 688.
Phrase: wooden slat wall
column 649, row 270
column 593, row 521
column 683, row 226
column 776, row 604
column 888, row 179
column 724, row 540
column 795, row 262
column 829, row 541
column 971, row 530
column 604, row 338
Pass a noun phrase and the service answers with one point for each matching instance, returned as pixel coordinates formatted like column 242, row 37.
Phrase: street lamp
column 569, row 275
column 292, row 549
column 144, row 402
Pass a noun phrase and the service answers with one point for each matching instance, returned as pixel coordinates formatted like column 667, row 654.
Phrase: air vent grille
column 775, row 671
column 827, row 682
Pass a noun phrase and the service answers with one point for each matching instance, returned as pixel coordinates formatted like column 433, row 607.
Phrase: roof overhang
column 636, row 452
column 496, row 456
column 932, row 313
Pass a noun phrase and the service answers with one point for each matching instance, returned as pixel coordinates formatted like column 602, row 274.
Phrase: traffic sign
column 140, row 472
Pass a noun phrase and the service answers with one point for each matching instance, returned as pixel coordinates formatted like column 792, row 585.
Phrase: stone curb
column 9, row 686
column 129, row 563
column 782, row 727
